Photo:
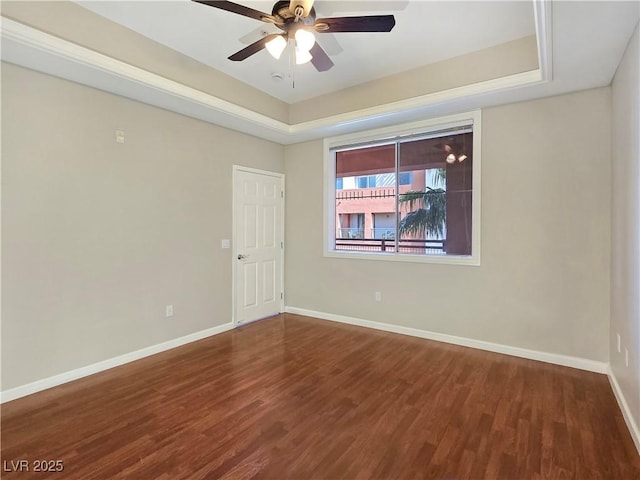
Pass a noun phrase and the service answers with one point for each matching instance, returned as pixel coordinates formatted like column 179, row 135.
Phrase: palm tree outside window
column 424, row 182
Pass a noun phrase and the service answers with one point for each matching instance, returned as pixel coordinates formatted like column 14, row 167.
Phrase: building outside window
column 410, row 196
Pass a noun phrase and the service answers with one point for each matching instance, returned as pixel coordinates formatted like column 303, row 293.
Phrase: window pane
column 435, row 208
column 365, row 208
column 405, row 178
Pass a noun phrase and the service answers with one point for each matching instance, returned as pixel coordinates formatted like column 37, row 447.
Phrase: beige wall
column 72, row 22
column 97, row 236
column 510, row 58
column 544, row 279
column 625, row 240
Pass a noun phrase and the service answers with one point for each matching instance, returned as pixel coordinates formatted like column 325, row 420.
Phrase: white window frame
column 397, row 132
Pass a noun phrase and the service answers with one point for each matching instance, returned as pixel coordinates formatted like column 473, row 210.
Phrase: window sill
column 406, row 258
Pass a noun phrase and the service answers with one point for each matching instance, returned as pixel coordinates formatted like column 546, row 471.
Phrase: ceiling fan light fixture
column 297, row 20
column 302, row 56
column 276, row 46
column 305, row 40
column 451, row 158
column 462, row 158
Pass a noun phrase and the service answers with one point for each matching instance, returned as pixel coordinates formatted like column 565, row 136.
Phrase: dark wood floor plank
column 293, row 397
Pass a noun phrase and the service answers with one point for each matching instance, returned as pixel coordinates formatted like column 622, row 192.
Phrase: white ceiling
column 426, row 32
column 583, row 43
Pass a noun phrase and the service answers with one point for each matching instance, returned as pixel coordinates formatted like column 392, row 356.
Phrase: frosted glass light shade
column 305, row 39
column 276, row 46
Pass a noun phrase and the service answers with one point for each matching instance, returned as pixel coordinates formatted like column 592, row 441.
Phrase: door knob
column 241, row 256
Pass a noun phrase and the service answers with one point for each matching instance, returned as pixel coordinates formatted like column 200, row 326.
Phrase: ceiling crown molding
column 542, row 17
column 40, row 51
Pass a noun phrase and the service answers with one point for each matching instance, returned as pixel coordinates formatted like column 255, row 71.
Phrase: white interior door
column 258, row 247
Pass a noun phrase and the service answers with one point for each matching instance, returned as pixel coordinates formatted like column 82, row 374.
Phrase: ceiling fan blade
column 240, row 10
column 258, row 33
column 331, row 45
column 255, row 47
column 367, row 23
column 319, row 58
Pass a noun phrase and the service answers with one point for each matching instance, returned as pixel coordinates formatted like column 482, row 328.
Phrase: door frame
column 234, row 250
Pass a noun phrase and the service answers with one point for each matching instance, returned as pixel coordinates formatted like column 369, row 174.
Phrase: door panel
column 250, row 296
column 258, row 258
column 250, row 219
column 268, row 285
column 269, row 226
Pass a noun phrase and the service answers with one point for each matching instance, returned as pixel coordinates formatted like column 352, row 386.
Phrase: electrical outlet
column 378, row 296
column 618, row 342
column 168, row 311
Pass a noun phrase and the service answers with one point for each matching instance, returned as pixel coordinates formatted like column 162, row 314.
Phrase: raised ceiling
column 426, row 32
column 576, row 46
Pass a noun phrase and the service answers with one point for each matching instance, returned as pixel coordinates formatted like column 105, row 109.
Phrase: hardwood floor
column 292, row 397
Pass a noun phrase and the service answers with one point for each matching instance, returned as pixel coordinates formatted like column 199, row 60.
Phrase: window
column 405, row 178
column 409, row 194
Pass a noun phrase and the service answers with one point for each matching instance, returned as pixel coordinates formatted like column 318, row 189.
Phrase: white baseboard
column 65, row 377
column 564, row 360
column 632, row 425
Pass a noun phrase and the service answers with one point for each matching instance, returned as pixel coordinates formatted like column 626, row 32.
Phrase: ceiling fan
column 298, row 22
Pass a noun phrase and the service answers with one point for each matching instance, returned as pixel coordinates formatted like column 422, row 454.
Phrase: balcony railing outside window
column 351, row 233
column 410, row 246
column 386, row 233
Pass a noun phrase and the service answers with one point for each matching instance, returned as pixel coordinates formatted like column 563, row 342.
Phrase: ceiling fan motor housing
column 282, row 11
column 304, row 6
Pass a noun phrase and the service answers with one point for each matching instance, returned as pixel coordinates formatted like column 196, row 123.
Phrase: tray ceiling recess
column 32, row 48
